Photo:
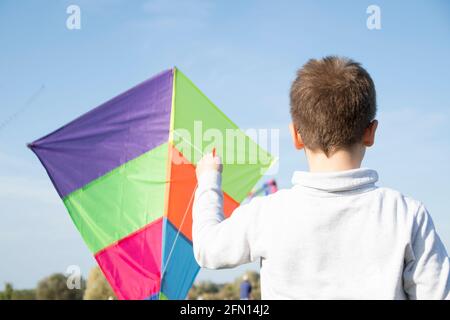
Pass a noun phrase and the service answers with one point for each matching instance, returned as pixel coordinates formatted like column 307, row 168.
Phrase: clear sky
column 243, row 55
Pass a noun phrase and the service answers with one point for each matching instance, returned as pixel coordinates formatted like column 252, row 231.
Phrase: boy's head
column 333, row 105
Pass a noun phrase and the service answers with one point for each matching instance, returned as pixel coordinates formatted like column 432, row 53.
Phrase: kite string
column 185, row 212
column 178, row 232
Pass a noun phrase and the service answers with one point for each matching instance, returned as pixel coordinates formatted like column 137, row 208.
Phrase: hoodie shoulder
column 410, row 205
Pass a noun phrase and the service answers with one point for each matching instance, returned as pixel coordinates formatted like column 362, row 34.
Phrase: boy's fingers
column 209, row 156
column 209, row 161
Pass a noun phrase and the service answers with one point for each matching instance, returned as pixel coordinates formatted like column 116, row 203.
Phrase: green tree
column 55, row 287
column 27, row 294
column 229, row 291
column 7, row 294
column 204, row 290
column 11, row 294
column 97, row 288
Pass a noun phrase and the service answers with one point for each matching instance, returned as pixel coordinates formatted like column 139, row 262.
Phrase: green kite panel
column 198, row 126
column 122, row 201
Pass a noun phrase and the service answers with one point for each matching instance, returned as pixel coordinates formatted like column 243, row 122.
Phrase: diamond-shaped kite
column 126, row 173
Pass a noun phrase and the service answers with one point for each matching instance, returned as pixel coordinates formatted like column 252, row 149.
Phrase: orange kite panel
column 181, row 197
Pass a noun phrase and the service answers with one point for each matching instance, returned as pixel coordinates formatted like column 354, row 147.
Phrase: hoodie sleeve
column 427, row 268
column 218, row 242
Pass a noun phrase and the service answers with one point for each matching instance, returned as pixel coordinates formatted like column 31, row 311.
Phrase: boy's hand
column 209, row 162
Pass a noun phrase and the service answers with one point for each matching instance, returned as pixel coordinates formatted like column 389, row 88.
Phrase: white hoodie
column 331, row 236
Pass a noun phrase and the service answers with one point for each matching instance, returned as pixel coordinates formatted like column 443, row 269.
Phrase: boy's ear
column 369, row 134
column 296, row 138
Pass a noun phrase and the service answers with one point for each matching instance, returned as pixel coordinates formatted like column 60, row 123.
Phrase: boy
column 334, row 234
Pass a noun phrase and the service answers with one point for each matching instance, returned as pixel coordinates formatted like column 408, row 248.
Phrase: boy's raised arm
column 427, row 267
column 219, row 242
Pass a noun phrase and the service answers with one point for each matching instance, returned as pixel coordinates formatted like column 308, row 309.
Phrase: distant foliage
column 204, row 290
column 55, row 287
column 210, row 291
column 97, row 288
column 9, row 293
column 27, row 294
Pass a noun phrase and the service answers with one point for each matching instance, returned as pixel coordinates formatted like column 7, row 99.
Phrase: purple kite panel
column 108, row 136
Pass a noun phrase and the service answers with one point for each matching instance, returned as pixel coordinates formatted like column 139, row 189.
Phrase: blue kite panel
column 179, row 265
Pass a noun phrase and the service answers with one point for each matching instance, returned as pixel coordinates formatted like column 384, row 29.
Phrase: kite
column 126, row 174
column 267, row 188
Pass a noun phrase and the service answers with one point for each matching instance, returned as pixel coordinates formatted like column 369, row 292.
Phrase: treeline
column 10, row 294
column 55, row 287
column 207, row 290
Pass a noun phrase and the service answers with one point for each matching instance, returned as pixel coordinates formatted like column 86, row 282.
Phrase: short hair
column 333, row 101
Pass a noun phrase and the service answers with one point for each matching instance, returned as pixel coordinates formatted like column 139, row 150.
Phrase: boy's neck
column 340, row 160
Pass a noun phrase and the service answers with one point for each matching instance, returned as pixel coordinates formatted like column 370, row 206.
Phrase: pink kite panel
column 133, row 265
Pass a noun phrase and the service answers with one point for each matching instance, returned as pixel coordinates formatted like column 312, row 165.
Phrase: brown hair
column 333, row 101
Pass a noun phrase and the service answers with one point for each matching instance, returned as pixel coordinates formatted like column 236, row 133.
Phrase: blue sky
column 243, row 56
